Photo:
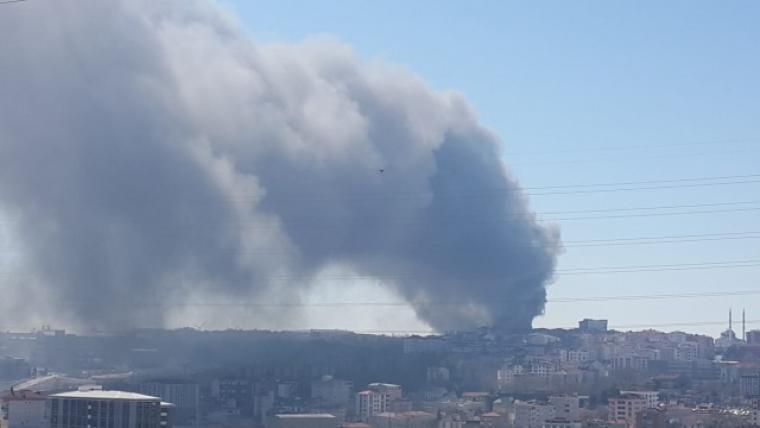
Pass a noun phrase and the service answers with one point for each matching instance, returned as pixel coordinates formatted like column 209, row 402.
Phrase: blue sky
column 592, row 92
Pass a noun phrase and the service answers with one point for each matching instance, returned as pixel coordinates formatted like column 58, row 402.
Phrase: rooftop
column 307, row 415
column 476, row 394
column 50, row 381
column 627, row 396
column 23, row 396
column 105, row 395
column 384, row 385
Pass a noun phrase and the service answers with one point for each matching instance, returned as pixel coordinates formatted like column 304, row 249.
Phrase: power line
column 666, row 237
column 651, row 157
column 661, row 267
column 11, row 1
column 512, row 219
column 612, row 242
column 647, row 208
column 647, row 147
column 573, row 271
column 641, row 182
column 707, row 265
column 629, row 189
column 581, row 188
column 655, row 296
column 567, row 189
column 676, row 324
column 611, row 327
column 521, row 217
column 658, row 242
column 600, row 217
column 532, row 215
column 643, row 297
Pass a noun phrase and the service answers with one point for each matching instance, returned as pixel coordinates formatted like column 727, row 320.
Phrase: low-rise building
column 412, row 419
column 23, row 409
column 566, row 407
column 529, row 414
column 561, row 423
column 623, row 409
column 753, row 337
column 185, row 395
column 749, row 385
column 652, row 397
column 592, row 326
column 331, row 392
column 306, row 420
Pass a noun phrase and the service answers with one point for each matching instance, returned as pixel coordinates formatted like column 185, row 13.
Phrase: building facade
column 623, row 409
column 331, row 392
column 107, row 409
column 592, row 326
column 377, row 398
column 186, row 396
column 311, row 420
column 561, row 423
column 566, row 407
column 652, row 397
column 23, row 409
column 532, row 415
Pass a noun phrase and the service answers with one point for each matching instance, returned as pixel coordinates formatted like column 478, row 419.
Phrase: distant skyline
column 593, row 92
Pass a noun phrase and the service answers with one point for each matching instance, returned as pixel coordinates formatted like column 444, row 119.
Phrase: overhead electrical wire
column 591, row 243
column 647, row 147
column 329, row 228
column 562, row 189
column 590, row 299
column 704, row 265
column 645, row 157
column 611, row 327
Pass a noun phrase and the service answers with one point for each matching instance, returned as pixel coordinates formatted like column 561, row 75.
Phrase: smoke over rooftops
column 150, row 152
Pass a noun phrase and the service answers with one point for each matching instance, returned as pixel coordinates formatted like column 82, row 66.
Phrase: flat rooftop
column 306, row 415
column 105, row 395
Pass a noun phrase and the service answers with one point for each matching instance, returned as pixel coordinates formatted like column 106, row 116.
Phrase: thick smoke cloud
column 151, row 153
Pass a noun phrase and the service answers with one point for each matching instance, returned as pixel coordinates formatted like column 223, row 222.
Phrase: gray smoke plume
column 150, row 153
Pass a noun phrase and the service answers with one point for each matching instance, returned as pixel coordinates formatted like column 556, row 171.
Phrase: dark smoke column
column 472, row 255
column 497, row 258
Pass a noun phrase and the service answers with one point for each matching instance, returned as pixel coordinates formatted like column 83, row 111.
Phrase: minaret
column 730, row 321
column 744, row 327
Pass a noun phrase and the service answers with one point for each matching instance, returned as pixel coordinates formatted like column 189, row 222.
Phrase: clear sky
column 594, row 92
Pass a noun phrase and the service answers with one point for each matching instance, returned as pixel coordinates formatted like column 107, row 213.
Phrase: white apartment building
column 376, row 399
column 101, row 409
